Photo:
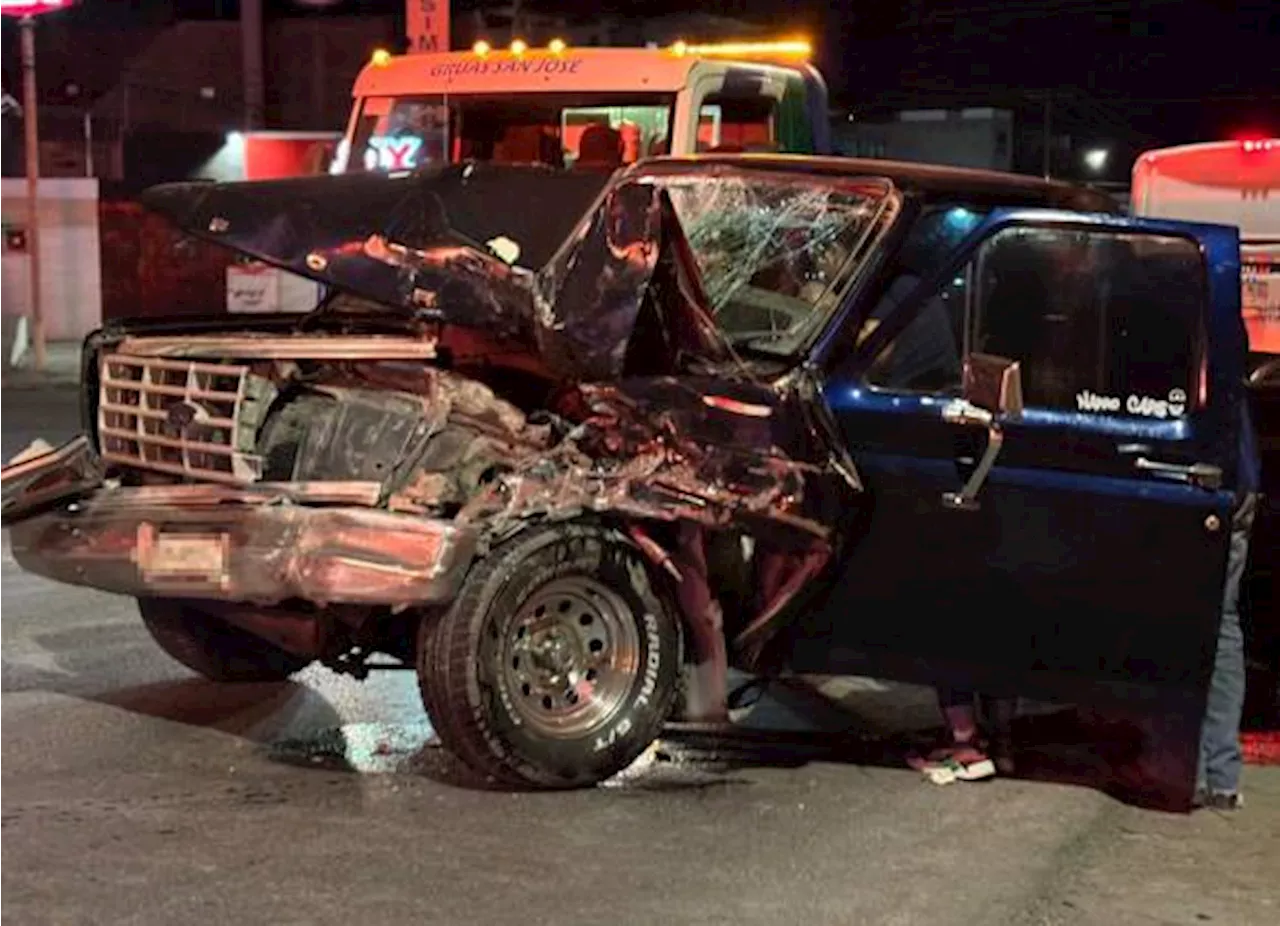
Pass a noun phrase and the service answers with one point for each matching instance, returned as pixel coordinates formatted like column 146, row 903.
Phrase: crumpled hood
column 436, row 245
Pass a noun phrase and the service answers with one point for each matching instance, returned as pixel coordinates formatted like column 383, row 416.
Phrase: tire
column 556, row 665
column 212, row 647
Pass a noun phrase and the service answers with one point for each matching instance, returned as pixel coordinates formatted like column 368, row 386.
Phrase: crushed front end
column 444, row 429
column 254, row 478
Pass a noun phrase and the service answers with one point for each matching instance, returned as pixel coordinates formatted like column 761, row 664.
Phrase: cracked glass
column 774, row 253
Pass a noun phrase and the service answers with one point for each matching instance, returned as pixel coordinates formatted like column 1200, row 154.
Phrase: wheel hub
column 571, row 657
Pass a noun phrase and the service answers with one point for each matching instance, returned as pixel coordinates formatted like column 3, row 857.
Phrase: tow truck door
column 1090, row 564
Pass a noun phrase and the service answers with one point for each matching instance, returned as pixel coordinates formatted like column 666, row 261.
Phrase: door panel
column 1113, row 576
column 1084, row 573
column 1066, row 575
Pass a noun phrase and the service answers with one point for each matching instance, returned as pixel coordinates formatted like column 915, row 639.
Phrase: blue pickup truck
column 561, row 441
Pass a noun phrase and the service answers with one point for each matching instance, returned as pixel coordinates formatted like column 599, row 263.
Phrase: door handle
column 964, row 412
column 1202, row 475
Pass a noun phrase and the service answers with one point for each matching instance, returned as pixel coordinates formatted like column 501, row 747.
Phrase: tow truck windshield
column 591, row 131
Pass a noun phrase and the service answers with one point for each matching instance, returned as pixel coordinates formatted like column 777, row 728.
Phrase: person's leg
column 1218, row 778
column 963, row 755
column 998, row 713
column 960, row 712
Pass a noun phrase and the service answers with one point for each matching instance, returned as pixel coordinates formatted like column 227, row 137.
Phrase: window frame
column 997, row 222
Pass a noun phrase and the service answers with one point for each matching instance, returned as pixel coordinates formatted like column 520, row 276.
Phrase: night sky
column 1166, row 70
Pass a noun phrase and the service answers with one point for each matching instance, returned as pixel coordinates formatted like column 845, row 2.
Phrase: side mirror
column 994, row 384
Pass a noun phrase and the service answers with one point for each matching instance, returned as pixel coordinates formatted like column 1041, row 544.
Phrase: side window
column 795, row 134
column 738, row 123
column 1101, row 322
column 927, row 355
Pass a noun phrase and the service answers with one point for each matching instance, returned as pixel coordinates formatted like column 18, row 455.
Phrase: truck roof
column 542, row 70
column 933, row 180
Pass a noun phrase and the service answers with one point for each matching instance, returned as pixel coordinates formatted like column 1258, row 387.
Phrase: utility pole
column 31, row 124
column 1048, row 136
column 251, row 55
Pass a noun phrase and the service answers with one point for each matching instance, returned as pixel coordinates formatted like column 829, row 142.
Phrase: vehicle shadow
column 1137, row 758
column 293, row 724
column 248, row 711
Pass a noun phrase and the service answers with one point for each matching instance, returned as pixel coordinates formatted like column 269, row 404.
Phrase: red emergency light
column 1258, row 145
column 24, row 8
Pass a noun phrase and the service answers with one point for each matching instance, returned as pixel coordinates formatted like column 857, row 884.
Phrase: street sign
column 427, row 25
column 32, row 7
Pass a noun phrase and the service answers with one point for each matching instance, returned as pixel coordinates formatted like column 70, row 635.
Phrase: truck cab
column 582, row 108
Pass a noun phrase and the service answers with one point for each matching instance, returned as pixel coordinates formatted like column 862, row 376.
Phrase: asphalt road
column 136, row 793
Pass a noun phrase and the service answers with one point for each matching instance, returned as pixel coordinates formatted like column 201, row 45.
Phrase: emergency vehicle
column 575, row 108
column 1229, row 183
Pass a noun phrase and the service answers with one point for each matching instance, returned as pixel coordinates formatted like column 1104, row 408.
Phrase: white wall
column 70, row 256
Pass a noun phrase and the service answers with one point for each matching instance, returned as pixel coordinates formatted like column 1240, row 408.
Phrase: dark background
column 1134, row 74
column 1177, row 70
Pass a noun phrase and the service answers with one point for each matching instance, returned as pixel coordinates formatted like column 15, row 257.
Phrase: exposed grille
column 192, row 419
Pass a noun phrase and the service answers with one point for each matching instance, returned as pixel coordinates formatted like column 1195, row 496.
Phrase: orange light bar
column 793, row 48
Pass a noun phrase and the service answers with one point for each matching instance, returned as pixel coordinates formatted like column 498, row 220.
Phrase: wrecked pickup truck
column 552, row 439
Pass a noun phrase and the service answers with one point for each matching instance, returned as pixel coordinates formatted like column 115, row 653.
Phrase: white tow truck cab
column 583, row 108
column 1228, row 183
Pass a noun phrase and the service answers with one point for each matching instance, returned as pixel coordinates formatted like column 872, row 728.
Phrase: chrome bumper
column 265, row 544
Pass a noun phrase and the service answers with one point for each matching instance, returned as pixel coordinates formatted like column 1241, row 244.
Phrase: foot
column 1218, row 800
column 955, row 762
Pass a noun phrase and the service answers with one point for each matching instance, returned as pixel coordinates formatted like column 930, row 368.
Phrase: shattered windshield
column 774, row 253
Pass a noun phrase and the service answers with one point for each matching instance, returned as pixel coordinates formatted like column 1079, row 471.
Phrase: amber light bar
column 791, row 48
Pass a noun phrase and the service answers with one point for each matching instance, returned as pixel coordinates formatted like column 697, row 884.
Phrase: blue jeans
column 1218, row 769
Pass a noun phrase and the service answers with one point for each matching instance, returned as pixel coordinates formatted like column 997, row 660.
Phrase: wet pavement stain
column 362, row 748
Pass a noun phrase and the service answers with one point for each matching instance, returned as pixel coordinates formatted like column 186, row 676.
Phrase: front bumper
column 265, row 543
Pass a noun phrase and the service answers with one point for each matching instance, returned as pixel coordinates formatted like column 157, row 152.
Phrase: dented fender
column 42, row 475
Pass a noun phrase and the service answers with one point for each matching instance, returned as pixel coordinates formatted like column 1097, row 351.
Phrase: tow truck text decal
column 511, row 66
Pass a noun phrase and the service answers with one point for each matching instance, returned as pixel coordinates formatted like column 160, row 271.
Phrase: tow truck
column 575, row 111
column 583, row 108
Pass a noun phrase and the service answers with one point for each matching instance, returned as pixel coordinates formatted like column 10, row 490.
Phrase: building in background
column 971, row 137
column 153, row 103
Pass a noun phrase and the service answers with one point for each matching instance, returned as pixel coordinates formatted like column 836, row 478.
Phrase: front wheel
column 557, row 663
